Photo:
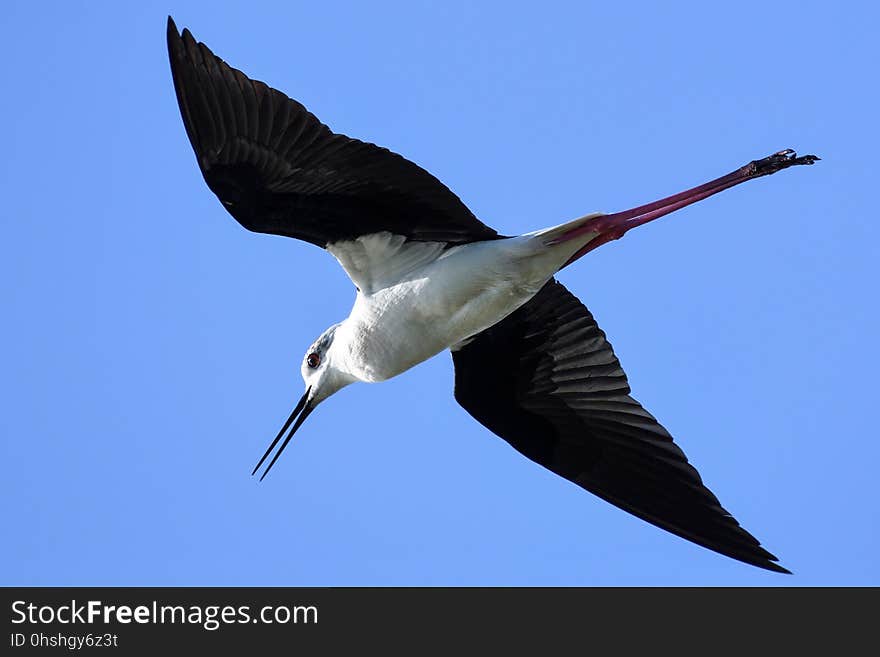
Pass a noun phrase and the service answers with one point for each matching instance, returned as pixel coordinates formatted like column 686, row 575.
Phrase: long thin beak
column 303, row 409
column 610, row 227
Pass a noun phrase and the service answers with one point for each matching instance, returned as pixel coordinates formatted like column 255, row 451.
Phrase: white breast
column 434, row 298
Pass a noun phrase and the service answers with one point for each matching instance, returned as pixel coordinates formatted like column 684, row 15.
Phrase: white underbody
column 416, row 299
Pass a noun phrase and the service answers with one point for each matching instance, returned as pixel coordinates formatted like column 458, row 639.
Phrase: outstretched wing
column 547, row 381
column 277, row 169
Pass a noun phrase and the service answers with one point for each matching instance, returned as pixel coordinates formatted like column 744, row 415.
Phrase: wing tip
column 770, row 563
column 172, row 32
column 177, row 39
column 176, row 46
column 755, row 555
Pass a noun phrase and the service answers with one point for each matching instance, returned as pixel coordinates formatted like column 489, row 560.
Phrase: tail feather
column 578, row 235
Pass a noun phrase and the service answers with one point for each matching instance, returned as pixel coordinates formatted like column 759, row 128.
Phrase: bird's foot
column 778, row 162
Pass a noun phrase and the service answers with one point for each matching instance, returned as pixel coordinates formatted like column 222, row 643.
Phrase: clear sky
column 151, row 346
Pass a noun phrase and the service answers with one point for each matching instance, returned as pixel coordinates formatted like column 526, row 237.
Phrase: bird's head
column 323, row 374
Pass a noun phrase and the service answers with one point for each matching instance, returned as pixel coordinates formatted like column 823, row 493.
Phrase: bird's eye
column 313, row 360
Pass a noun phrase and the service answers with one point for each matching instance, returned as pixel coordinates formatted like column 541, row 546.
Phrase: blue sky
column 151, row 346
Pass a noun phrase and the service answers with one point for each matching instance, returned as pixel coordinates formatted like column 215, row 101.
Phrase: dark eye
column 313, row 360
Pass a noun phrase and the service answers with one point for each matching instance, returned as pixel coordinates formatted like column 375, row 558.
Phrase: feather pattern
column 547, row 381
column 277, row 169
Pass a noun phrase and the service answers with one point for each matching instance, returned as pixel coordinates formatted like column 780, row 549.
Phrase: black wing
column 279, row 170
column 547, row 381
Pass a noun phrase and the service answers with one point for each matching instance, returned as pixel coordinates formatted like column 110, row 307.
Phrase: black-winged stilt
column 530, row 362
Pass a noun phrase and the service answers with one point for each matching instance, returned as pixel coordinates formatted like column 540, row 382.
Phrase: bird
column 531, row 364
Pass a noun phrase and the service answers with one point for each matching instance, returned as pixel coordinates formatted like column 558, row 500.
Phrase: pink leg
column 613, row 226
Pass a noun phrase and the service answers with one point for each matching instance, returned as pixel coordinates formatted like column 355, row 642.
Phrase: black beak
column 303, row 409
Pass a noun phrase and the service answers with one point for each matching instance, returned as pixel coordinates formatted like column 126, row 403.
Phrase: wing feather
column 547, row 381
column 277, row 169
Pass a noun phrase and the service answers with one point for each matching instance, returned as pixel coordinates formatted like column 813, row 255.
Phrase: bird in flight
column 531, row 364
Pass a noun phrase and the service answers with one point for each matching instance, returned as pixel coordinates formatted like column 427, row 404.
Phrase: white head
column 323, row 373
column 322, row 368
